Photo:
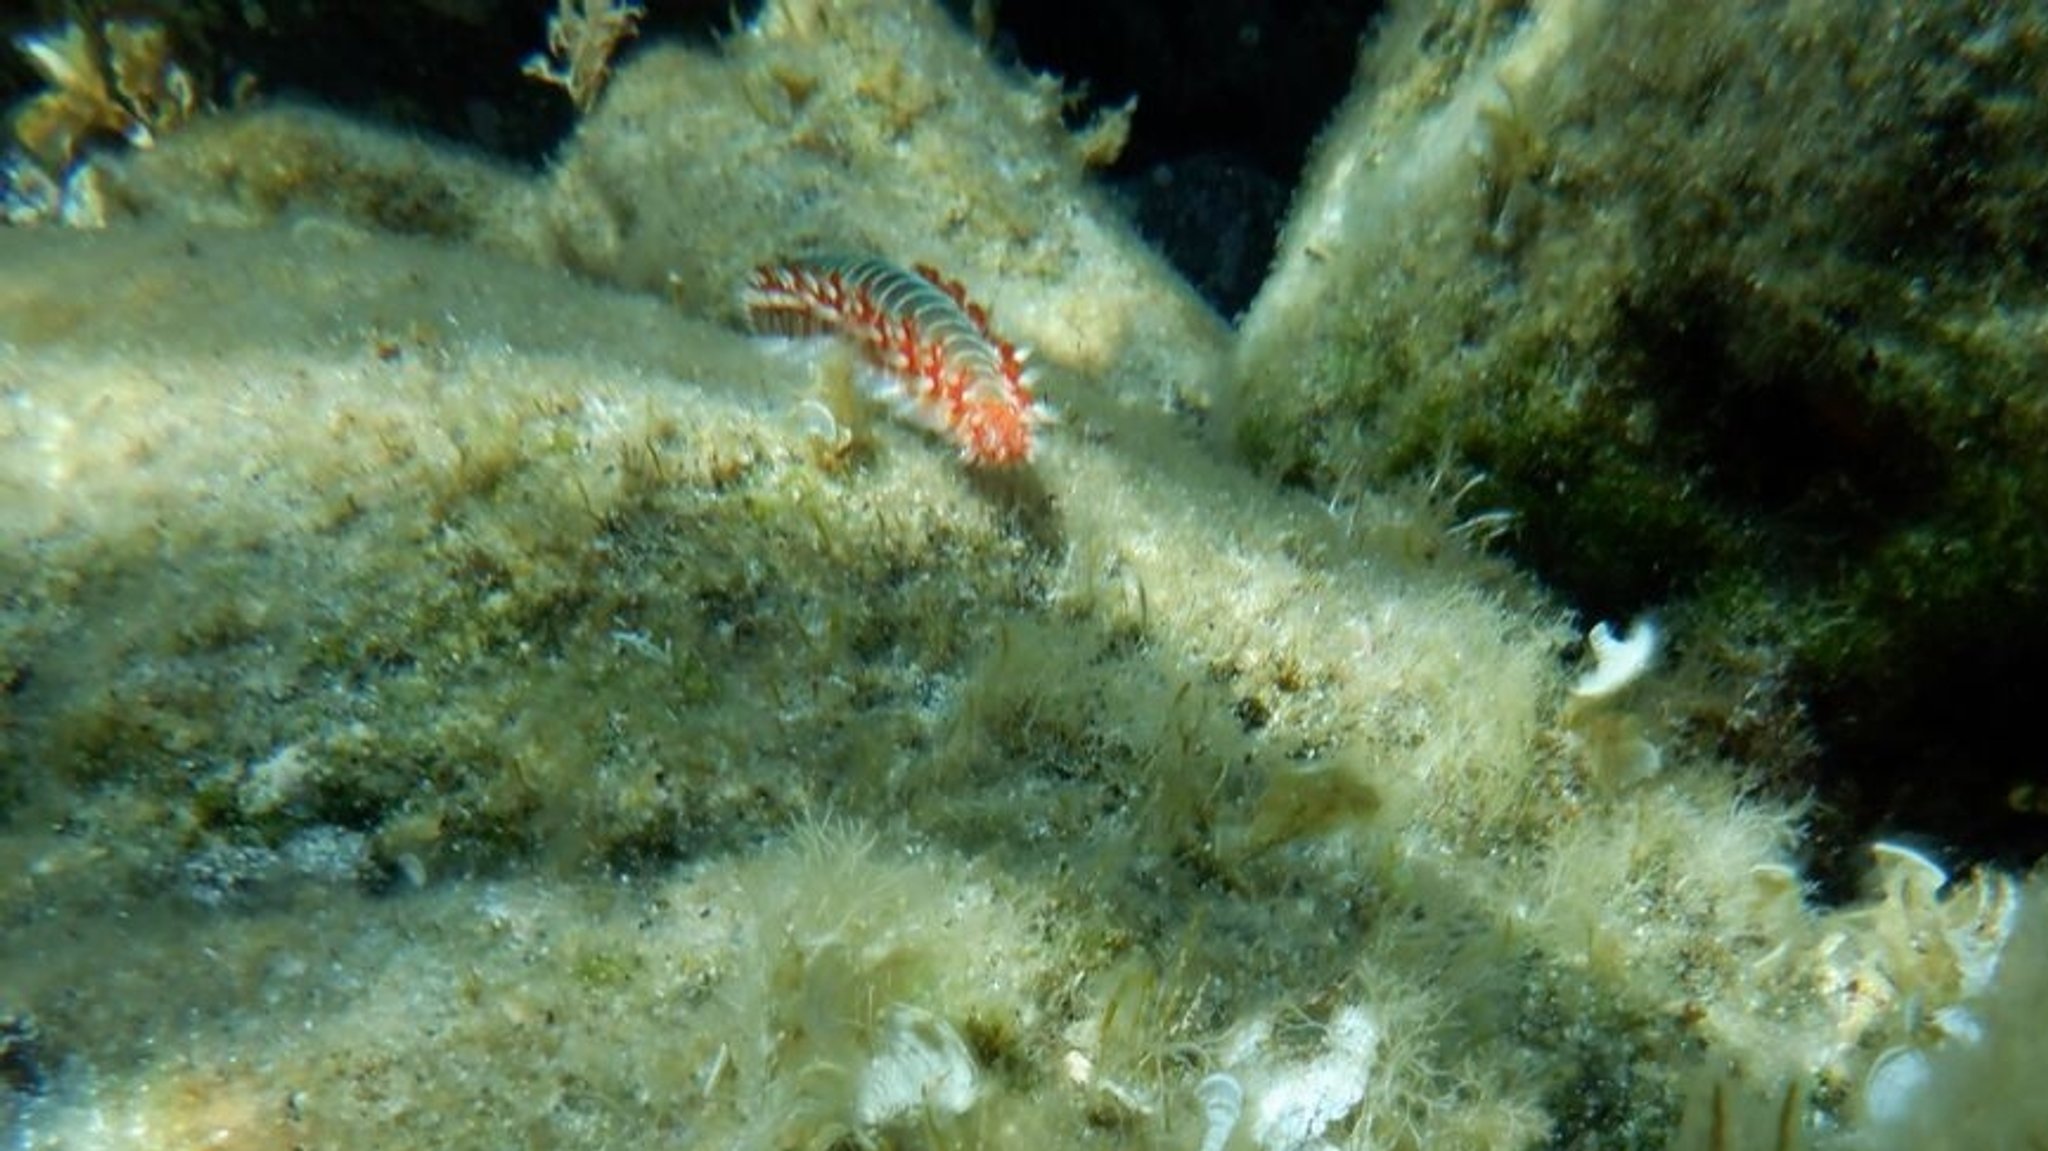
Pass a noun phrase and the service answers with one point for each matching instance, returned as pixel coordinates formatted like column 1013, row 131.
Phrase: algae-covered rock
column 344, row 563
column 460, row 688
column 868, row 127
column 1734, row 311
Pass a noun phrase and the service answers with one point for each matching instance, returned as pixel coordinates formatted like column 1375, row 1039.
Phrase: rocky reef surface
column 457, row 686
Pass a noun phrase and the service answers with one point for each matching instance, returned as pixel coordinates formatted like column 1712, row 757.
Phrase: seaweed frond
column 582, row 35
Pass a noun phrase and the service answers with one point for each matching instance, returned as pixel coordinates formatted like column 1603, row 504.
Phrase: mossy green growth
column 1702, row 302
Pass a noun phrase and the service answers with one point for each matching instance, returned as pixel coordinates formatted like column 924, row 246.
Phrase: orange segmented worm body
column 945, row 370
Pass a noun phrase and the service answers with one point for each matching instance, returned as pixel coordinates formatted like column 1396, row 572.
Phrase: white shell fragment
column 1222, row 1099
column 1303, row 1100
column 1617, row 663
column 920, row 1063
column 1895, row 1083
